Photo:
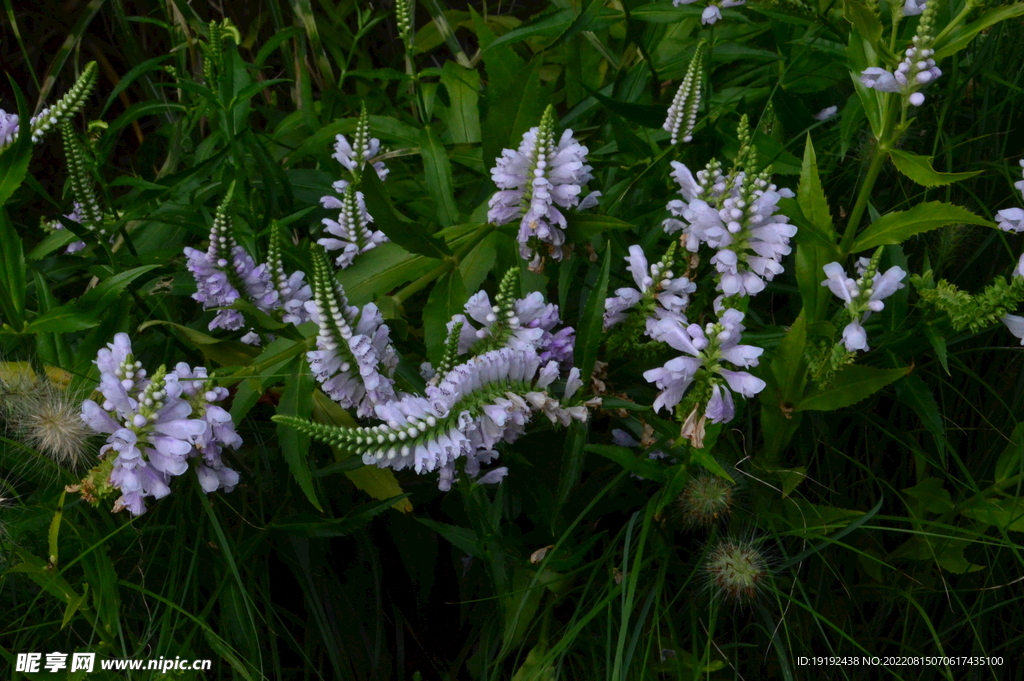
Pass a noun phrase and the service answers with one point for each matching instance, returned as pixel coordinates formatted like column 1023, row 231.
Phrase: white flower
column 1016, row 325
column 826, row 113
column 710, row 15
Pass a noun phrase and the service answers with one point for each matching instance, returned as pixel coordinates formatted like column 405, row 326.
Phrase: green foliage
column 966, row 311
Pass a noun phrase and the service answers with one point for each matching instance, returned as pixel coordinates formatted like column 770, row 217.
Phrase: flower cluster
column 155, row 424
column 659, row 292
column 520, row 324
column 738, row 217
column 534, row 181
column 351, row 233
column 292, row 290
column 862, row 296
column 486, row 400
column 713, row 11
column 354, row 359
column 705, row 350
column 225, row 271
column 687, row 99
column 917, row 68
column 50, row 117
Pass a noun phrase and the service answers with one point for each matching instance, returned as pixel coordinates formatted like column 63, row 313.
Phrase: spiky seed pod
column 706, row 500
column 81, row 183
column 737, row 569
column 45, row 417
column 687, row 100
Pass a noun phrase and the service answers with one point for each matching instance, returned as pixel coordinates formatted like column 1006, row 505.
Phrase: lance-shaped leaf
column 400, row 229
column 851, row 385
column 897, row 227
column 919, row 169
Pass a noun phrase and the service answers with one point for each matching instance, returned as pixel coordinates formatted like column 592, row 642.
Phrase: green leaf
column 514, row 110
column 503, row 66
column 380, row 483
column 12, row 272
column 960, row 37
column 816, row 237
column 647, row 115
column 948, row 552
column 580, row 23
column 439, row 178
column 297, row 400
column 446, row 299
column 87, row 311
column 475, row 265
column 894, row 228
column 400, row 229
column 1011, row 461
column 929, row 495
column 916, row 394
column 463, row 86
column 632, row 461
column 548, row 24
column 810, row 195
column 223, row 352
column 15, row 159
column 1007, row 514
column 851, row 385
column 311, row 526
column 462, row 538
column 665, row 12
column 581, row 227
column 868, row 25
column 590, row 332
column 919, row 169
column 380, row 270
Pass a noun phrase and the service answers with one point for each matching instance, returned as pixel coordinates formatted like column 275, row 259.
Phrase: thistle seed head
column 706, row 500
column 737, row 569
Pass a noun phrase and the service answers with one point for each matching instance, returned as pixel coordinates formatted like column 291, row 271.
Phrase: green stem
column 878, row 156
column 415, row 287
column 445, row 267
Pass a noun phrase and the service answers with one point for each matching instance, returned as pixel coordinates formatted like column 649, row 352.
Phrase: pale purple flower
column 147, row 422
column 879, row 79
column 9, row 128
column 225, row 272
column 74, row 216
column 751, row 238
column 202, row 394
column 710, row 15
column 354, row 359
column 706, row 349
column 826, row 113
column 1011, row 219
column 350, row 233
column 855, row 297
column 473, row 408
column 1015, row 324
column 349, row 158
column 913, row 7
column 529, row 323
column 534, row 182
column 671, row 293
